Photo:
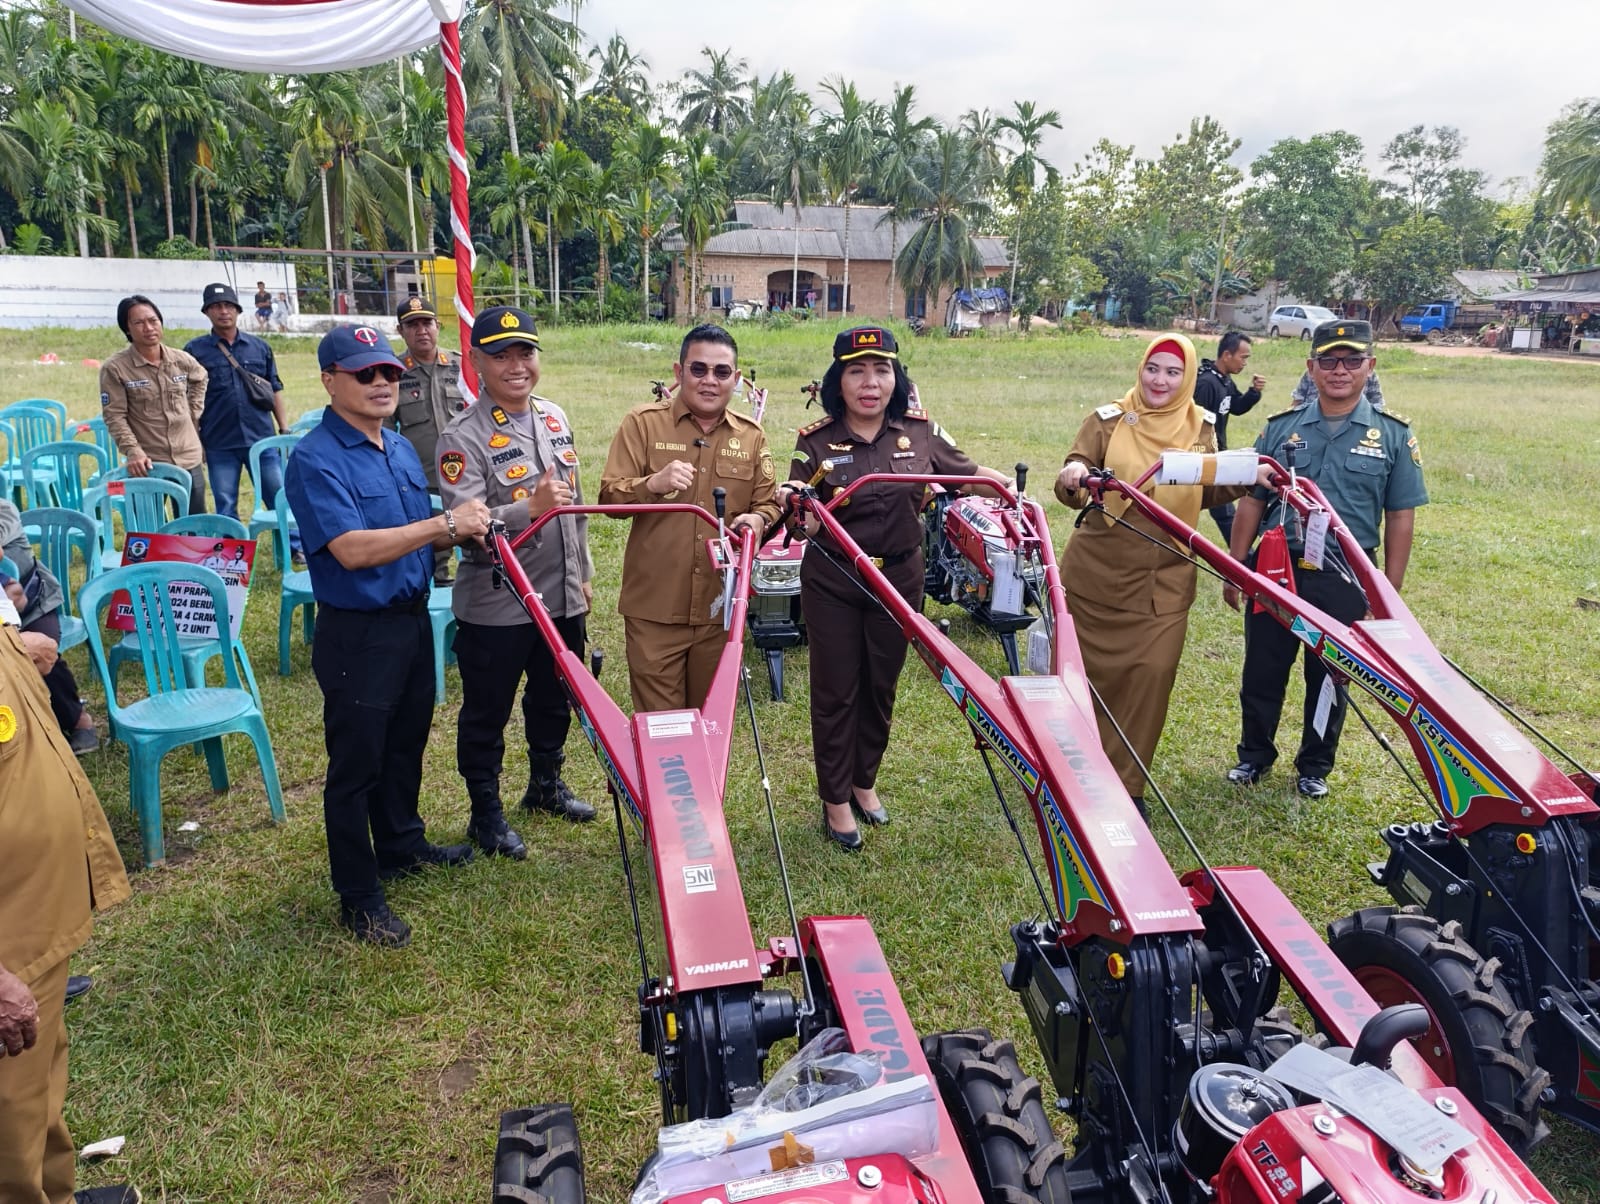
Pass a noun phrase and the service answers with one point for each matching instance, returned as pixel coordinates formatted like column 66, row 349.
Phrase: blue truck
column 1436, row 319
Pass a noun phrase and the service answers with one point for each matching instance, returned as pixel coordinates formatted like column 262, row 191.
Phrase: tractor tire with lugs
column 999, row 1113
column 537, row 1159
column 1480, row 1041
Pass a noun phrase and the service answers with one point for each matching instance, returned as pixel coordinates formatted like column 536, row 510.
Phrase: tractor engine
column 972, row 558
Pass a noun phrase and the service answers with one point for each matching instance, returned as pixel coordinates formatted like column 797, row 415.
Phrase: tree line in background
column 582, row 163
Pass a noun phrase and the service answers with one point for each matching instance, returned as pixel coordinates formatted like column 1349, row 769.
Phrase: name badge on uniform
column 907, row 455
column 505, row 457
column 838, row 460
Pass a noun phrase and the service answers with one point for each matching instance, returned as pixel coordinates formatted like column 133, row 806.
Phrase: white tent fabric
column 294, row 37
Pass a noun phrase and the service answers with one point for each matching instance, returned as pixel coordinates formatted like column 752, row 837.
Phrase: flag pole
column 455, row 95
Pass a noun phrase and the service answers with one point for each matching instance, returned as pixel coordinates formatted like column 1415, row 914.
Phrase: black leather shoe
column 496, row 838
column 121, row 1193
column 877, row 818
column 548, row 793
column 1138, row 804
column 430, row 856
column 77, row 984
column 850, row 841
column 1312, row 787
column 1246, row 773
column 378, row 926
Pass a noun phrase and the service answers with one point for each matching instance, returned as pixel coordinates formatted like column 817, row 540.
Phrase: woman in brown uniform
column 1130, row 596
column 856, row 649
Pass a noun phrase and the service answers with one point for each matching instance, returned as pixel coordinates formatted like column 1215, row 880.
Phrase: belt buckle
column 877, row 561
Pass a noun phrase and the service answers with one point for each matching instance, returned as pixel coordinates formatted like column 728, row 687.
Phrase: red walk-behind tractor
column 1496, row 933
column 1154, row 998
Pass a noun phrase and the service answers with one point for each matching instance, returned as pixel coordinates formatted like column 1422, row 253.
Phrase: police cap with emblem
column 219, row 292
column 352, row 348
column 502, row 326
column 415, row 306
column 865, row 340
column 1329, row 335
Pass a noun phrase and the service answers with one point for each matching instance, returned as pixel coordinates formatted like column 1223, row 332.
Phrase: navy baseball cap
column 352, row 348
column 503, row 325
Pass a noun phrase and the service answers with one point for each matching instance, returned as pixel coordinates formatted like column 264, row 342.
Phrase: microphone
column 701, row 443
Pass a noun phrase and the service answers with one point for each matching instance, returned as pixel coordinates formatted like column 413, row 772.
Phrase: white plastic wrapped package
column 1234, row 467
column 826, row 1097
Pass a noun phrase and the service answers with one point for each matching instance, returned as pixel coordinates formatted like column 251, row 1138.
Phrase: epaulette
column 1387, row 413
column 917, row 415
column 1108, row 412
column 1294, row 409
column 1208, row 415
column 815, row 426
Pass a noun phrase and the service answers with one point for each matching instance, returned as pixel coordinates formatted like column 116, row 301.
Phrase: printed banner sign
column 232, row 559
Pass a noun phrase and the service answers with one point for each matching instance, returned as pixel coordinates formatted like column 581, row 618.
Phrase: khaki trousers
column 670, row 665
column 37, row 1157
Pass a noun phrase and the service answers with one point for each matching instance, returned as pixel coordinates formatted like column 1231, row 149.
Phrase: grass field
column 251, row 1052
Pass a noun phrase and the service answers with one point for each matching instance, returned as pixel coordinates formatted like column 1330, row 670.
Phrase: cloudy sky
column 1136, row 71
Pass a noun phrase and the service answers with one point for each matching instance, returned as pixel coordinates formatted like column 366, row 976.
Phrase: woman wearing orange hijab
column 1130, row 597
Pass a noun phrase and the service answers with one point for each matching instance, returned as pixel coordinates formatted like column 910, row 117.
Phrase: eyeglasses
column 365, row 376
column 1348, row 362
column 698, row 370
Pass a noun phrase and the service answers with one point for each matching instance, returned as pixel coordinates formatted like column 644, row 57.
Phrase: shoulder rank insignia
column 499, row 416
column 1294, row 409
column 815, row 426
column 1208, row 416
column 917, row 415
column 1398, row 417
column 1108, row 412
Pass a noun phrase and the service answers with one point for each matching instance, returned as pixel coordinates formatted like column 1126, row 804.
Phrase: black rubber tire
column 999, row 1113
column 1488, row 1039
column 537, row 1159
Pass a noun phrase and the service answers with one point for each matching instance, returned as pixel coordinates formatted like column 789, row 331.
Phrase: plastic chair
column 8, row 567
column 164, row 472
column 197, row 650
column 296, row 590
column 306, row 422
column 57, row 409
column 29, row 424
column 58, row 533
column 175, row 713
column 142, row 504
column 61, row 465
column 264, row 517
column 96, row 427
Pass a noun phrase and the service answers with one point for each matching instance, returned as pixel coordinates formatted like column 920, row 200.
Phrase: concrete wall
column 59, row 290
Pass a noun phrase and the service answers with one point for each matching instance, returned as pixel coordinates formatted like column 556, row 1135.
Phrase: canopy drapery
column 301, row 37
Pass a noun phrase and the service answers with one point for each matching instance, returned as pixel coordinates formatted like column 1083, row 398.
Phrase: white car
column 1290, row 321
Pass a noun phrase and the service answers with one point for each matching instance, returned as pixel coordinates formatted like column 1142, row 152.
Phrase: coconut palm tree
column 602, row 212
column 644, row 159
column 702, row 207
column 902, row 150
column 789, row 155
column 564, row 171
column 716, row 100
column 173, row 98
column 1571, row 171
column 621, row 75
column 848, row 145
column 1028, row 124
column 415, row 140
column 940, row 254
column 982, row 129
column 68, row 155
column 516, row 192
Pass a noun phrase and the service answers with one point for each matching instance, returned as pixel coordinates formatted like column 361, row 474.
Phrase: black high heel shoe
column 876, row 818
column 850, row 842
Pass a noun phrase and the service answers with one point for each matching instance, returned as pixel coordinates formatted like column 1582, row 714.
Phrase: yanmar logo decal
column 718, row 967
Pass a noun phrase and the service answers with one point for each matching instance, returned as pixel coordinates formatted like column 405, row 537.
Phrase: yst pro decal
column 1459, row 776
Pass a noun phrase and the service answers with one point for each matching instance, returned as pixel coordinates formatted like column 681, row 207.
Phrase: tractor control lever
column 719, row 497
column 1021, row 470
column 1387, row 1029
column 597, row 661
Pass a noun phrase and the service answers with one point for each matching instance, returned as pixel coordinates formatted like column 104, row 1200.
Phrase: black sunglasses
column 697, row 369
column 1349, row 362
column 365, row 376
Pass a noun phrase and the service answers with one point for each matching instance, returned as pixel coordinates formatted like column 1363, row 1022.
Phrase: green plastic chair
column 175, row 713
column 159, row 470
column 96, row 428
column 264, row 518
column 141, row 502
column 53, row 473
column 306, row 422
column 296, row 590
column 58, row 533
column 198, row 651
column 29, row 424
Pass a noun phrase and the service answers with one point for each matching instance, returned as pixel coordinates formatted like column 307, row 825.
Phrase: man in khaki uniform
column 57, row 861
column 514, row 452
column 679, row 450
column 152, row 396
column 430, row 396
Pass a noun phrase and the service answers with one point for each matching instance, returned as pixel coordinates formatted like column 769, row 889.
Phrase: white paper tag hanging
column 1180, row 468
column 1316, row 538
column 1237, row 467
column 1007, row 596
column 1325, row 697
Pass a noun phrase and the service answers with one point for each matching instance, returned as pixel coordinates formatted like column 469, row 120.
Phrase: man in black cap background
column 358, row 491
column 1365, row 460
column 231, row 422
column 1214, row 390
column 430, row 395
column 513, row 451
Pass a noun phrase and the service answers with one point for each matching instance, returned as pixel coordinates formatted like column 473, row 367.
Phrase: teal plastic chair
column 197, row 650
column 53, row 473
column 29, row 424
column 306, row 422
column 141, row 503
column 96, row 429
column 175, row 712
column 264, row 518
column 58, row 411
column 57, row 534
column 163, row 472
column 296, row 590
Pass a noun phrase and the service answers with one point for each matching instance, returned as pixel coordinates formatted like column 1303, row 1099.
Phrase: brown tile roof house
column 756, row 263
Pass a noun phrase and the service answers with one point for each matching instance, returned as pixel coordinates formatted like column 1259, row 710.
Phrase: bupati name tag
column 660, row 446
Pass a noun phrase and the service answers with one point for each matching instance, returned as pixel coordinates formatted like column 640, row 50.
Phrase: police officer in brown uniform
column 856, row 649
column 152, row 396
column 57, row 862
column 514, row 451
column 679, row 450
column 430, row 396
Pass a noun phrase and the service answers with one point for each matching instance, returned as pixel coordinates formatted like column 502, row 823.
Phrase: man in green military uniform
column 1366, row 461
column 430, row 397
